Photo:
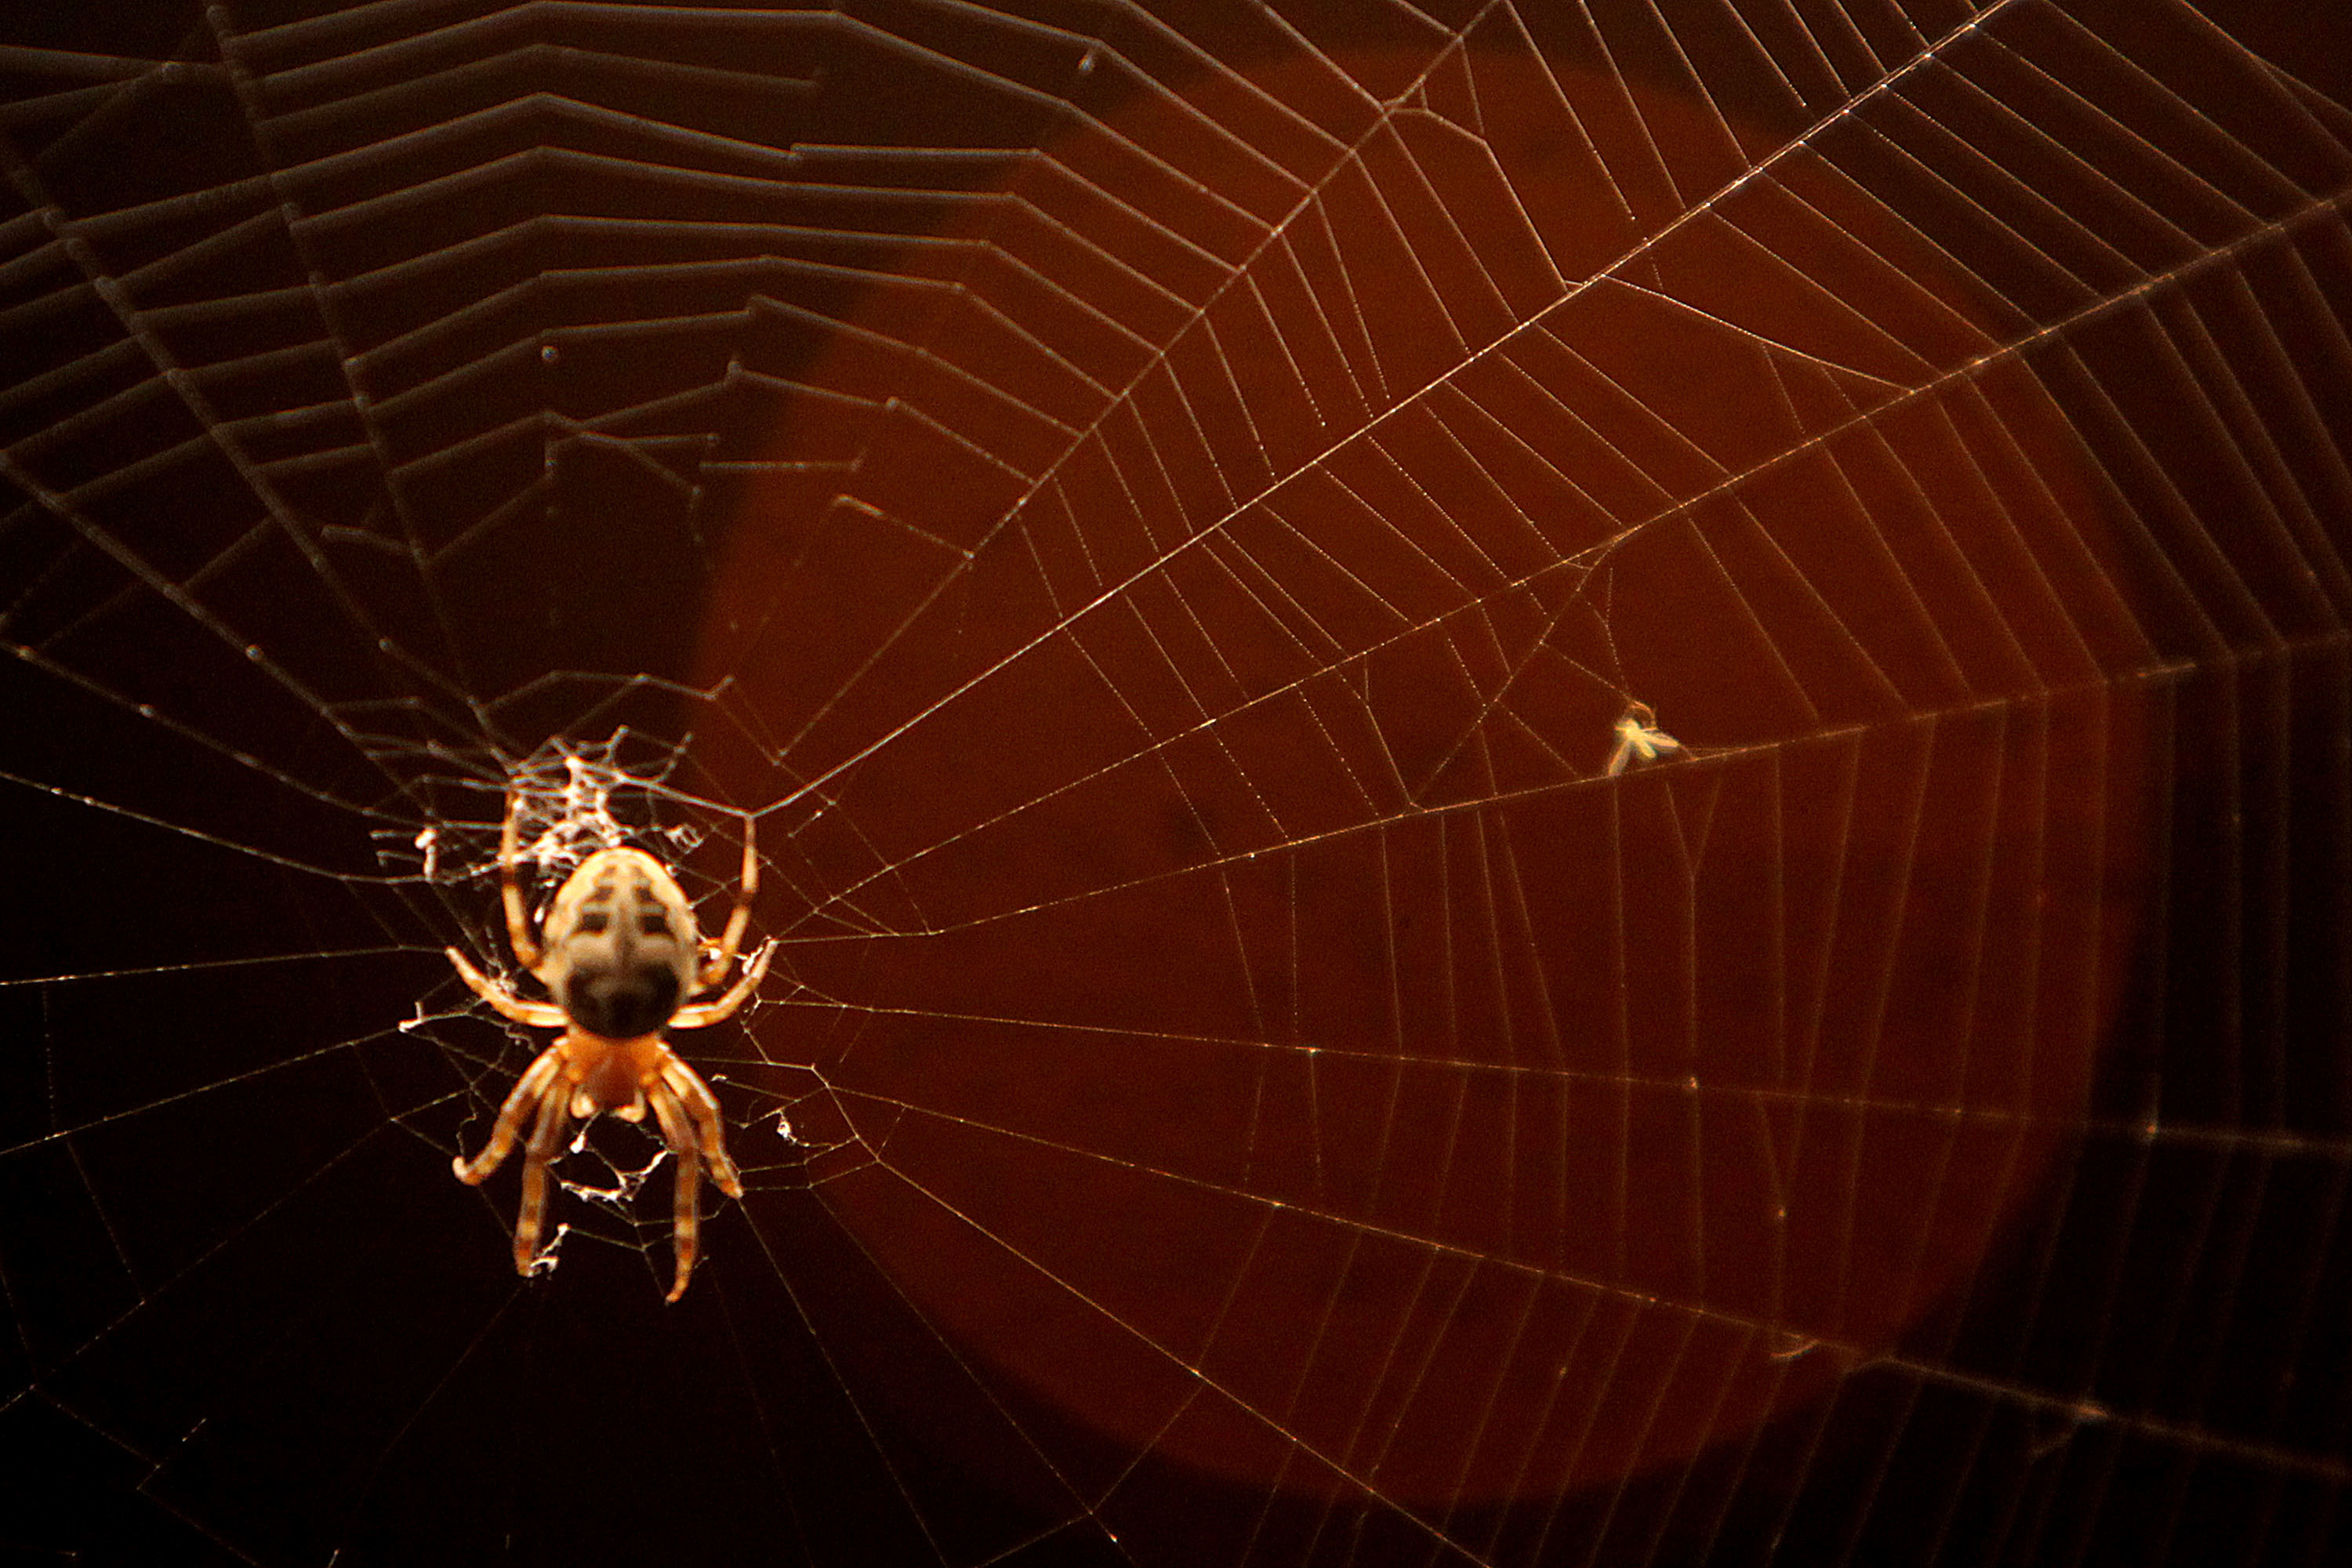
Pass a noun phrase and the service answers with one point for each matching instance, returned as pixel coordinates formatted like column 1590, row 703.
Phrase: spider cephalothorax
column 621, row 956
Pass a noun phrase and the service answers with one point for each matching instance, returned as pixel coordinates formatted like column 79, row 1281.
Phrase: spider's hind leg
column 685, row 1213
column 554, row 1115
column 527, row 1093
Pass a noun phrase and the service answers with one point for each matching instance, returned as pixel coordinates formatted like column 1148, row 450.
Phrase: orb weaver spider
column 620, row 957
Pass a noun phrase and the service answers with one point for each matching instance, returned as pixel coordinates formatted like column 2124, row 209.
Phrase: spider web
column 1160, row 519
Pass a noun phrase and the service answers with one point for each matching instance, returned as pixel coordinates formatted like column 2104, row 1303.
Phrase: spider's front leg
column 534, row 1015
column 518, row 933
column 702, row 1015
column 721, row 953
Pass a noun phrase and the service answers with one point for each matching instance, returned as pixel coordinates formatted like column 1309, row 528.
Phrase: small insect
column 621, row 956
column 1639, row 736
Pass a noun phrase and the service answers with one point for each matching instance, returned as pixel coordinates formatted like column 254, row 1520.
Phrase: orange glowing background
column 1262, row 1029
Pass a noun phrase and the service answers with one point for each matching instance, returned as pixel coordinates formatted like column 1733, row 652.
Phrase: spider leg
column 554, row 1115
column 722, row 957
column 538, row 1015
column 686, row 1214
column 703, row 1014
column 526, row 946
column 527, row 1092
column 695, row 1097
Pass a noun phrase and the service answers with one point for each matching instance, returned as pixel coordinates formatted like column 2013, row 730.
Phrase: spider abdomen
column 622, row 966
column 622, row 1001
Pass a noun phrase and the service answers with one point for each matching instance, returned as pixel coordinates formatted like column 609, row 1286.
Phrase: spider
column 619, row 956
column 1638, row 735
